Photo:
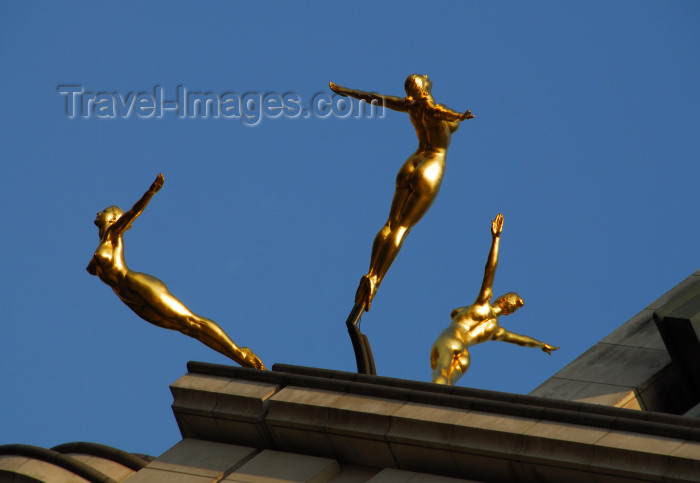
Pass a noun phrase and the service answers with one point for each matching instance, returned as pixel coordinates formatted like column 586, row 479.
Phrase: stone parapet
column 375, row 424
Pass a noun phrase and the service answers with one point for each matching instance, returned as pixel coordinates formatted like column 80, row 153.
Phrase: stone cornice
column 479, row 435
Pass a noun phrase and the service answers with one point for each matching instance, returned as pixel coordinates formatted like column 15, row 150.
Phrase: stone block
column 422, row 459
column 375, row 453
column 432, row 425
column 494, row 422
column 42, row 471
column 242, row 433
column 269, row 466
column 294, row 416
column 607, row 478
column 198, row 427
column 218, row 409
column 354, row 474
column 197, row 392
column 107, row 467
column 666, row 392
column 244, row 400
column 303, row 441
column 617, row 365
column 569, row 445
column 390, row 475
column 423, row 478
column 536, row 473
column 300, row 407
column 11, row 463
column 479, row 467
column 684, row 291
column 583, row 391
column 641, row 443
column 684, row 463
column 639, row 331
column 366, row 404
column 152, row 475
column 631, row 401
column 493, row 435
column 688, row 450
column 399, row 476
column 630, row 455
column 201, row 458
column 362, row 416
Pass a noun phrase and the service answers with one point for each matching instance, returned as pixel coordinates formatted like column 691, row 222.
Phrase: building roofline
column 533, row 407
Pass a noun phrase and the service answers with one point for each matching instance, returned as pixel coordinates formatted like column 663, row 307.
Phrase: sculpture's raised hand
column 497, row 225
column 157, row 184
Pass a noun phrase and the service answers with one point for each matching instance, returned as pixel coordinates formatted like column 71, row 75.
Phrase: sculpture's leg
column 416, row 205
column 398, row 204
column 370, row 282
column 209, row 333
column 150, row 299
column 360, row 343
column 391, row 250
column 378, row 247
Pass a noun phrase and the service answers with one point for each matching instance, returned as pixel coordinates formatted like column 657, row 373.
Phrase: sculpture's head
column 108, row 216
column 417, row 85
column 508, row 303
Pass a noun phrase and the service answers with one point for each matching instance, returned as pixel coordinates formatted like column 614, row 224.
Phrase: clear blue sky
column 586, row 138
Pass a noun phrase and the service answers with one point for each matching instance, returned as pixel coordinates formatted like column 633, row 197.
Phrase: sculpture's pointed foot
column 365, row 292
column 250, row 359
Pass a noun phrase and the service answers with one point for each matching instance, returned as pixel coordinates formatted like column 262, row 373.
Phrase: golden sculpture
column 477, row 323
column 418, row 180
column 148, row 296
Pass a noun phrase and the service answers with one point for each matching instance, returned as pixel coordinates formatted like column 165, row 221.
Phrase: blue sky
column 586, row 137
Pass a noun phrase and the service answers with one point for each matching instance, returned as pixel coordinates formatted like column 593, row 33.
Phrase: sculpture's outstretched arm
column 124, row 222
column 392, row 102
column 490, row 271
column 447, row 114
column 522, row 340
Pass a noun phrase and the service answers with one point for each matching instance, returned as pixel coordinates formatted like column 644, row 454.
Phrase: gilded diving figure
column 418, row 180
column 146, row 295
column 477, row 323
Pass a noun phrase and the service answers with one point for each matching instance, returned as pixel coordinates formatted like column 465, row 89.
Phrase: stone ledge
column 376, row 422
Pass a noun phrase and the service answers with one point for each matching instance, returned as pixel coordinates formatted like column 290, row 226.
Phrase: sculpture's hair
column 508, row 302
column 115, row 211
column 416, row 83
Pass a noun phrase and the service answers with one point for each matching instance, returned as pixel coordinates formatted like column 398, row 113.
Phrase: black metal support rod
column 360, row 343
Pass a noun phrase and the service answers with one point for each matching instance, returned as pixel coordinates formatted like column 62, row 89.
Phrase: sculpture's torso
column 144, row 294
column 434, row 134
column 109, row 263
column 475, row 323
column 424, row 169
